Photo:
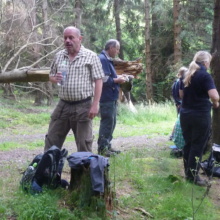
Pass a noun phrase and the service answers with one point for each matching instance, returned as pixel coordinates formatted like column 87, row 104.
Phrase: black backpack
column 45, row 170
column 212, row 166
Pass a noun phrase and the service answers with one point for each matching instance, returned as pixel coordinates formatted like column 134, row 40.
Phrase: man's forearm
column 98, row 91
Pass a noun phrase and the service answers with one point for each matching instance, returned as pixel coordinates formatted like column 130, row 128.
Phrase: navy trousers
column 108, row 111
column 195, row 128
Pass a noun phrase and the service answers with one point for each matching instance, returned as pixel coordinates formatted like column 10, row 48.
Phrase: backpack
column 45, row 170
column 212, row 166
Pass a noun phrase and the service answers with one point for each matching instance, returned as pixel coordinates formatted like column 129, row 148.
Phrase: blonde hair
column 181, row 71
column 200, row 57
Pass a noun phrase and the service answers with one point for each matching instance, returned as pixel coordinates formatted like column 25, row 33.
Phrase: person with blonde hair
column 199, row 94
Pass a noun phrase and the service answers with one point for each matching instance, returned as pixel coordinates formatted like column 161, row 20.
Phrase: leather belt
column 77, row 102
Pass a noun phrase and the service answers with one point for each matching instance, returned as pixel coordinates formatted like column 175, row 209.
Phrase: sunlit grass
column 149, row 179
column 146, row 113
column 152, row 119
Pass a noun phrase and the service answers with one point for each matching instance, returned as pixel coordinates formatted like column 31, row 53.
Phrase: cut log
column 128, row 67
column 42, row 75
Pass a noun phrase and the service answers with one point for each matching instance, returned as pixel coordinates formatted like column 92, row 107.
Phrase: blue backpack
column 45, row 170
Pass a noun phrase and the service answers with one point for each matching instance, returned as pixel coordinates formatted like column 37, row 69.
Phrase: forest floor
column 123, row 144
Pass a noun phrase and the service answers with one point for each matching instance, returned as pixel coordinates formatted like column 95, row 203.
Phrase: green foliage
column 197, row 35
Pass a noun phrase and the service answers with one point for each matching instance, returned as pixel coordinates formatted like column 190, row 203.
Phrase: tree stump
column 83, row 196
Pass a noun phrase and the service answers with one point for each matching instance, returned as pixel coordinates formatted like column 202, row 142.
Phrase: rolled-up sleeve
column 97, row 71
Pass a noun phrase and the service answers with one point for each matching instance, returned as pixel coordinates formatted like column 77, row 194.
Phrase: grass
column 145, row 180
column 152, row 182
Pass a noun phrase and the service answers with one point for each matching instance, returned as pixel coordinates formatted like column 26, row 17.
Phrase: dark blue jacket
column 97, row 164
column 110, row 90
column 175, row 92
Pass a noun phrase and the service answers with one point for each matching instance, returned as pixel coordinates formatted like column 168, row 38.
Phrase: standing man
column 108, row 101
column 79, row 94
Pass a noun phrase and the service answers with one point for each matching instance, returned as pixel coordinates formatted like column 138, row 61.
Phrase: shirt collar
column 80, row 53
column 108, row 57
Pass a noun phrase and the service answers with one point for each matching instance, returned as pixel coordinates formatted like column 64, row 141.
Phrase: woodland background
column 164, row 33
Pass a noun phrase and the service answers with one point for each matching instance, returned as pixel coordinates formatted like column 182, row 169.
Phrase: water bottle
column 30, row 170
column 28, row 176
column 63, row 69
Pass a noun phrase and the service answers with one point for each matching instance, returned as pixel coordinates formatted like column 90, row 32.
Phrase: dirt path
column 122, row 144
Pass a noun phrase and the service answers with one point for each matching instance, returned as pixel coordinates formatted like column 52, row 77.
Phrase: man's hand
column 120, row 79
column 57, row 78
column 97, row 94
column 94, row 110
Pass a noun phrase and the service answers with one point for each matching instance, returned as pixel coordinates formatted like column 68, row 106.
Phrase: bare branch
column 46, row 56
column 19, row 51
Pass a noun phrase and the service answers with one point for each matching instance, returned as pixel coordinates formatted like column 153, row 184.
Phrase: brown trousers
column 70, row 116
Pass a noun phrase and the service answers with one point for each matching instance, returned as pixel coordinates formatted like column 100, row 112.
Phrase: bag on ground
column 212, row 165
column 45, row 170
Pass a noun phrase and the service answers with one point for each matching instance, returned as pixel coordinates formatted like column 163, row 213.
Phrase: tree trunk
column 177, row 30
column 78, row 13
column 149, row 87
column 118, row 26
column 48, row 85
column 215, row 67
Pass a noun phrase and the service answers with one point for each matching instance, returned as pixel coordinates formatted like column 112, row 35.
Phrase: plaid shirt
column 81, row 74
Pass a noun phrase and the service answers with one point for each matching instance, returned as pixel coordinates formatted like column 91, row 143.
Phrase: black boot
column 114, row 150
column 104, row 151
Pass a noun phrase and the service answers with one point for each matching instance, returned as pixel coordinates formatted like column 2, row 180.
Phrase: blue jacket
column 175, row 92
column 97, row 164
column 110, row 90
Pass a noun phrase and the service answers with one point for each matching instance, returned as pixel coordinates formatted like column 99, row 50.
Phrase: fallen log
column 42, row 75
column 25, row 75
